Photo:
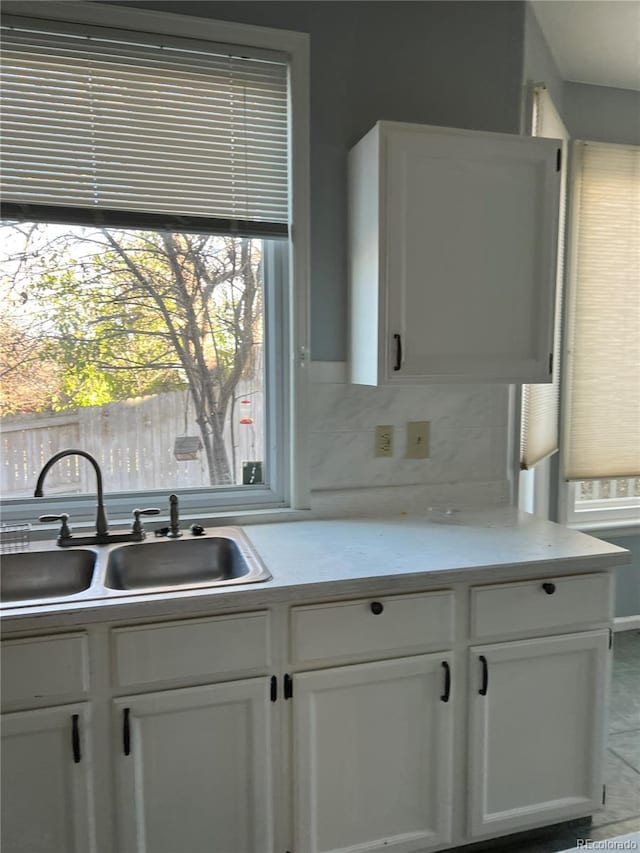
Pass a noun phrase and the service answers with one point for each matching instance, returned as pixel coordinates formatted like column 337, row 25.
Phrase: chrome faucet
column 102, row 535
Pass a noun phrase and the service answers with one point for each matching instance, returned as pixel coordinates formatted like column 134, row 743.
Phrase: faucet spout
column 102, row 526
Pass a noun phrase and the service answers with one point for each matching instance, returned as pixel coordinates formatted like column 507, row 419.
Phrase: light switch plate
column 384, row 441
column 418, row 439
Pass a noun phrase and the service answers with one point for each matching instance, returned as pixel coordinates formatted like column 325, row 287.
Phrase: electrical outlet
column 384, row 441
column 418, row 439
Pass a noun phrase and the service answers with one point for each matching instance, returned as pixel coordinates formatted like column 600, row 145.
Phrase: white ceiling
column 593, row 41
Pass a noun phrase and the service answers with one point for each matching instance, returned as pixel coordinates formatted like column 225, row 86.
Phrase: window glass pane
column 144, row 348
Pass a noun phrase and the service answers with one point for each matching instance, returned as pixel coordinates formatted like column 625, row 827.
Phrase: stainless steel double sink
column 221, row 557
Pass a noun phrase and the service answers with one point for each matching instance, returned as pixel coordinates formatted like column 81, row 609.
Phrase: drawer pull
column 75, row 738
column 549, row 588
column 447, row 681
column 126, row 732
column 485, row 676
column 377, row 607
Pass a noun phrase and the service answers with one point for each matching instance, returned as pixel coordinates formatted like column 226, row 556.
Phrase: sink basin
column 184, row 564
column 50, row 574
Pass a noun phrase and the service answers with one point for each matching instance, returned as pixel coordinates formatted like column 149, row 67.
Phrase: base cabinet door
column 47, row 799
column 194, row 770
column 536, row 740
column 373, row 756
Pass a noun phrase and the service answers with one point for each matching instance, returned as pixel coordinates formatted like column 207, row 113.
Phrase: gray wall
column 447, row 63
column 602, row 113
column 538, row 66
column 628, row 577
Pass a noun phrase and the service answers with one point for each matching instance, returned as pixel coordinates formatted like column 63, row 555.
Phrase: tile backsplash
column 468, row 434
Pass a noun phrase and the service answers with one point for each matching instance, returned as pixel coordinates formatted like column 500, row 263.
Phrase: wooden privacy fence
column 132, row 440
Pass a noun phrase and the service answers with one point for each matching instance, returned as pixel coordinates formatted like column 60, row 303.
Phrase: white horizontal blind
column 603, row 384
column 107, row 121
column 540, row 403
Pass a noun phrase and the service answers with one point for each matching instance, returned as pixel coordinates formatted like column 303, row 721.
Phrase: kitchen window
column 600, row 384
column 601, row 441
column 154, row 167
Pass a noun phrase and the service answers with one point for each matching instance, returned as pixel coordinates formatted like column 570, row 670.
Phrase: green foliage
column 113, row 307
column 124, row 314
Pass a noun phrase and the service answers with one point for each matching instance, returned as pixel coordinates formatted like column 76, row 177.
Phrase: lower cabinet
column 537, row 722
column 344, row 740
column 373, row 756
column 47, row 797
column 194, row 770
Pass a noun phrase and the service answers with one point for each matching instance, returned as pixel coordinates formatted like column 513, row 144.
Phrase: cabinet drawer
column 191, row 648
column 353, row 629
column 515, row 608
column 44, row 667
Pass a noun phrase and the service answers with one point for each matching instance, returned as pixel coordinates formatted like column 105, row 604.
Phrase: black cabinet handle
column 549, row 588
column 75, row 738
column 126, row 732
column 398, row 341
column 485, row 676
column 288, row 686
column 377, row 607
column 447, row 681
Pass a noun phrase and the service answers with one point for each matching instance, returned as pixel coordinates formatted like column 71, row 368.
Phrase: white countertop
column 333, row 557
column 327, row 551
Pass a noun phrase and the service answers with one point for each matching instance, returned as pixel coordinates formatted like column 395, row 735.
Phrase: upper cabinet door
column 453, row 255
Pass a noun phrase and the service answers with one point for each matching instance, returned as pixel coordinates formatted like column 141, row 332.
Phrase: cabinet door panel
column 471, row 239
column 537, row 735
column 47, row 799
column 372, row 757
column 197, row 778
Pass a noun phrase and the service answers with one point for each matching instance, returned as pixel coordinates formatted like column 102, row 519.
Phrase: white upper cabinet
column 453, row 240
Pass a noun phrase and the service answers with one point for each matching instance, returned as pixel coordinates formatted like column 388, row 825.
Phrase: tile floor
column 622, row 771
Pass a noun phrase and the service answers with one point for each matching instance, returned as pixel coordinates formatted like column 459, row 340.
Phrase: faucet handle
column 65, row 530
column 137, row 524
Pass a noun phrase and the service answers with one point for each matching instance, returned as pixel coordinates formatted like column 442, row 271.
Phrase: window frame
column 606, row 514
column 286, row 327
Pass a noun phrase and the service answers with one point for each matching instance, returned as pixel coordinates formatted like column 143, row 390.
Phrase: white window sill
column 622, row 527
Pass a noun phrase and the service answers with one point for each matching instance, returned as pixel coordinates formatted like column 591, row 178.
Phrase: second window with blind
column 596, row 424
column 601, row 413
column 145, row 273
